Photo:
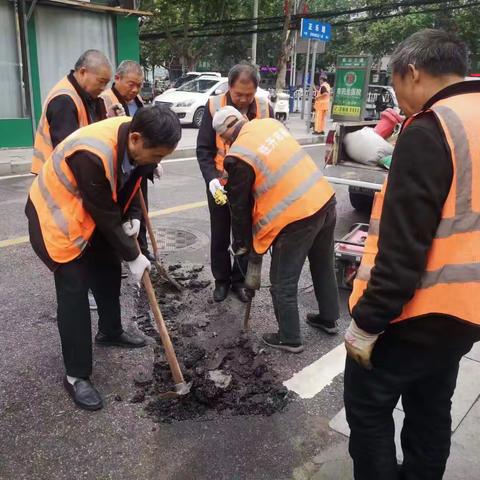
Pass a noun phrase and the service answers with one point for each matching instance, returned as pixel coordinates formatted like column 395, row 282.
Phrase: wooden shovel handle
column 148, row 223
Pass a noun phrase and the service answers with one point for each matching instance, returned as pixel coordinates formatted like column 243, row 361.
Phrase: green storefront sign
column 351, row 87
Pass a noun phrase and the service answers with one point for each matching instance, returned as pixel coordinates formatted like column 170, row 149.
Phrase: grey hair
column 435, row 51
column 245, row 68
column 129, row 66
column 92, row 60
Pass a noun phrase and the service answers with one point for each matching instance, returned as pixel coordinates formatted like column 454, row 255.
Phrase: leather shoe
column 125, row 340
column 220, row 293
column 241, row 294
column 84, row 394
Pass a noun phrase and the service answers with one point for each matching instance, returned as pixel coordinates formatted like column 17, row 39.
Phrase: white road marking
column 172, row 160
column 316, row 376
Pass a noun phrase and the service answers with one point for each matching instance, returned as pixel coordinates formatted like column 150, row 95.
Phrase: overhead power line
column 269, row 29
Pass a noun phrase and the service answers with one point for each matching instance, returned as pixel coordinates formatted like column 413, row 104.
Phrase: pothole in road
column 229, row 371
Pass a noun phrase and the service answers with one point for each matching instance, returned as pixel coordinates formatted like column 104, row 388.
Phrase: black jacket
column 62, row 112
column 418, row 184
column 206, row 140
column 124, row 103
column 95, row 190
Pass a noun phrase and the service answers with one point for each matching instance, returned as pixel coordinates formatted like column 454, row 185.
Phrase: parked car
column 379, row 98
column 188, row 77
column 189, row 101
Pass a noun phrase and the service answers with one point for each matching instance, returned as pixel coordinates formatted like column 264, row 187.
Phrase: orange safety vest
column 215, row 104
column 65, row 224
column 450, row 284
column 109, row 98
column 288, row 185
column 43, row 147
column 322, row 100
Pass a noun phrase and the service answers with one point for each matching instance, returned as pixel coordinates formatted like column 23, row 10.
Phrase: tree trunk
column 286, row 47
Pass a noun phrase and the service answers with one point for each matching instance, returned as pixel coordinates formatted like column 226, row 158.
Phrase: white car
column 189, row 101
column 188, row 77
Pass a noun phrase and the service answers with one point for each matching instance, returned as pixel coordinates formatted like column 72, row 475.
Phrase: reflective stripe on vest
column 66, row 226
column 450, row 284
column 288, row 185
column 43, row 143
column 215, row 104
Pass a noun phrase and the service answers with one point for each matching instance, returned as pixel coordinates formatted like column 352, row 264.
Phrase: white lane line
column 172, row 160
column 316, row 376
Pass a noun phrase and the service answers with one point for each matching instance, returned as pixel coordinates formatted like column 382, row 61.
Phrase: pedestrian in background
column 416, row 299
column 322, row 105
column 243, row 81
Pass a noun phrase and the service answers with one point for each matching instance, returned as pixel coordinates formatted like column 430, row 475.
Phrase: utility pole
column 312, row 84
column 305, row 75
column 293, row 58
column 254, row 35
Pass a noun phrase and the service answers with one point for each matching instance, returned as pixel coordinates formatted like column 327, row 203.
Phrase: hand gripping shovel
column 181, row 388
column 160, row 268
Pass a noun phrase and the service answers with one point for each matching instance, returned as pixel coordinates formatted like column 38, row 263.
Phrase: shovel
column 160, row 268
column 181, row 387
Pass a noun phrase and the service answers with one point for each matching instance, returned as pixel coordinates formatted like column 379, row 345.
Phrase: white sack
column 366, row 146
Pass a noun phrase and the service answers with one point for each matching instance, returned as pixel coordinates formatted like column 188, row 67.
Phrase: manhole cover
column 171, row 239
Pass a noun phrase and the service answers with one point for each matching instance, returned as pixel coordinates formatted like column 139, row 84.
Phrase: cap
column 225, row 118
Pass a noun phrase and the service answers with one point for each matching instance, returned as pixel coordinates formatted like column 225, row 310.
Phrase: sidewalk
column 15, row 161
column 464, row 461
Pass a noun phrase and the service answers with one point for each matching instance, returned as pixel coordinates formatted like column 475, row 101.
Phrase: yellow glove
column 359, row 344
column 217, row 191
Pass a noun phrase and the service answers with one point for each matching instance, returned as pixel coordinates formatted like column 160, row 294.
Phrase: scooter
column 281, row 108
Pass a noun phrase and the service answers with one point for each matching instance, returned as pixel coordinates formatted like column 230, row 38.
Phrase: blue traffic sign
column 315, row 30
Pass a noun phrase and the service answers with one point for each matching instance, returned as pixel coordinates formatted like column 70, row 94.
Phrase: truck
column 362, row 180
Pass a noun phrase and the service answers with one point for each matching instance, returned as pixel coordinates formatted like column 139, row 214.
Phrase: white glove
column 214, row 185
column 132, row 227
column 138, row 267
column 359, row 344
column 116, row 110
column 158, row 172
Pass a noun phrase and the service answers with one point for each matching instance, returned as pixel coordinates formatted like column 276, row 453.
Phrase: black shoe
column 150, row 256
column 273, row 340
column 314, row 320
column 220, row 293
column 125, row 340
column 241, row 293
column 84, row 394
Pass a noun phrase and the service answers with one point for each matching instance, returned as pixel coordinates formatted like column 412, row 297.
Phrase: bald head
column 93, row 71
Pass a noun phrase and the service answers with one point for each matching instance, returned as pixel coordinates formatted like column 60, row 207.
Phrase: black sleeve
column 96, row 194
column 270, row 110
column 239, row 192
column 418, row 184
column 62, row 117
column 207, row 147
column 135, row 208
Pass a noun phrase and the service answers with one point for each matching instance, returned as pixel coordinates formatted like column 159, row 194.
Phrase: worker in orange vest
column 416, row 299
column 83, row 214
column 280, row 199
column 322, row 105
column 243, row 81
column 71, row 104
column 123, row 97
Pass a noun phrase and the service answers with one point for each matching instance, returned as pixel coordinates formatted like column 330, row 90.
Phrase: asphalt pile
column 228, row 370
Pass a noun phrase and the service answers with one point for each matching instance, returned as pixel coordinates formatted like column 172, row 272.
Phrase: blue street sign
column 315, row 30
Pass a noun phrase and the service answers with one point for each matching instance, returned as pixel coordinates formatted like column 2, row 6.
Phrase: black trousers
column 220, row 239
column 312, row 237
column 426, row 379
column 142, row 234
column 97, row 269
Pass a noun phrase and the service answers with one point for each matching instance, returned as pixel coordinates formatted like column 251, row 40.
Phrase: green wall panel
column 16, row 132
column 128, row 44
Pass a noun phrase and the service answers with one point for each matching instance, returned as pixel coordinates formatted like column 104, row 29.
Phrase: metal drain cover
column 172, row 239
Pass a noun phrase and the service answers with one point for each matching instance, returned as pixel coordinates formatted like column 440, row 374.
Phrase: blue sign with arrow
column 315, row 30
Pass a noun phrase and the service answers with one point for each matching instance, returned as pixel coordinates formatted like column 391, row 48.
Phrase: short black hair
column 435, row 51
column 245, row 68
column 158, row 125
